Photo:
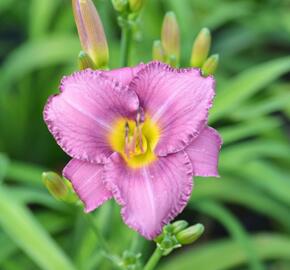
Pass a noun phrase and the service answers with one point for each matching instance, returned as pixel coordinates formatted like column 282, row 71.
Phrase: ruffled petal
column 81, row 116
column 204, row 152
column 125, row 74
column 178, row 100
column 150, row 196
column 86, row 179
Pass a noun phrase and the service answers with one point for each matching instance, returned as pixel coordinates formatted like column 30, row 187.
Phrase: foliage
column 39, row 44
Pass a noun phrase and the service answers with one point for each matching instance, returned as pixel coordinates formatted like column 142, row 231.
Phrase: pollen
column 135, row 140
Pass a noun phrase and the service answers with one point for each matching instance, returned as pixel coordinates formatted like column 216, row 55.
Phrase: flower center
column 135, row 140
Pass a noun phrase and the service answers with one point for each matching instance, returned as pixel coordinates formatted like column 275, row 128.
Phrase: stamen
column 133, row 142
column 127, row 140
column 139, row 123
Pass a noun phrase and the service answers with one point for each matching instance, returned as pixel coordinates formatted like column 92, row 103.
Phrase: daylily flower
column 137, row 135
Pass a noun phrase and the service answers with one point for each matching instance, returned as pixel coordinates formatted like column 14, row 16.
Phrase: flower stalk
column 128, row 17
column 126, row 40
column 154, row 259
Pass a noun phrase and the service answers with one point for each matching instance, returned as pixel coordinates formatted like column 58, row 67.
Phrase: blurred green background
column 246, row 212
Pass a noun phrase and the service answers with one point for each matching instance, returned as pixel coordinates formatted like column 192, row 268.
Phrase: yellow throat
column 135, row 140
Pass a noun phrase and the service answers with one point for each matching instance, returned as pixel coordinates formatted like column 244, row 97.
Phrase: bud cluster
column 177, row 234
column 168, row 48
column 130, row 261
column 128, row 6
column 200, row 51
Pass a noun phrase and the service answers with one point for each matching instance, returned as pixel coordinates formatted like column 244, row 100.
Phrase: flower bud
column 200, row 48
column 55, row 185
column 210, row 65
column 91, row 32
column 120, row 5
column 179, row 225
column 189, row 235
column 85, row 61
column 157, row 51
column 170, row 36
column 136, row 5
column 167, row 242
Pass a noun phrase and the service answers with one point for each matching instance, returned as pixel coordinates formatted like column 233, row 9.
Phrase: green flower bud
column 159, row 238
column 179, row 225
column 85, row 61
column 120, row 5
column 170, row 36
column 167, row 243
column 130, row 260
column 91, row 32
column 190, row 235
column 55, row 185
column 157, row 51
column 210, row 65
column 200, row 48
column 136, row 5
column 168, row 229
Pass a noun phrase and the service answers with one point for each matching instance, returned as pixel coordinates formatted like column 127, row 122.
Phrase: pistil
column 134, row 141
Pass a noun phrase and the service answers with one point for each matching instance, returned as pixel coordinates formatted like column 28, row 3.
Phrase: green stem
column 125, row 44
column 101, row 240
column 154, row 259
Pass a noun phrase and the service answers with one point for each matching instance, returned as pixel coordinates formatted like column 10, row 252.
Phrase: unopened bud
column 168, row 229
column 120, row 5
column 136, row 5
column 85, row 61
column 91, row 32
column 170, row 36
column 157, row 51
column 210, row 65
column 55, row 185
column 179, row 225
column 189, row 235
column 167, row 243
column 200, row 48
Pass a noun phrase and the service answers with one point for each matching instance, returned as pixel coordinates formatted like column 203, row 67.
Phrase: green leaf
column 248, row 128
column 235, row 191
column 234, row 227
column 41, row 15
column 3, row 166
column 25, row 173
column 32, row 55
column 234, row 156
column 228, row 254
column 246, row 85
column 30, row 195
column 268, row 177
column 18, row 222
column 259, row 108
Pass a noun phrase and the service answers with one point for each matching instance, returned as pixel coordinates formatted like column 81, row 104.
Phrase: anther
column 127, row 140
column 139, row 122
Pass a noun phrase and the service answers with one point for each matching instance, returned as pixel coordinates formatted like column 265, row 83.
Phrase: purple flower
column 137, row 135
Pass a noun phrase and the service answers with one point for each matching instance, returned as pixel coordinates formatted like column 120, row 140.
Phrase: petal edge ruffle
column 152, row 196
column 178, row 100
column 80, row 117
